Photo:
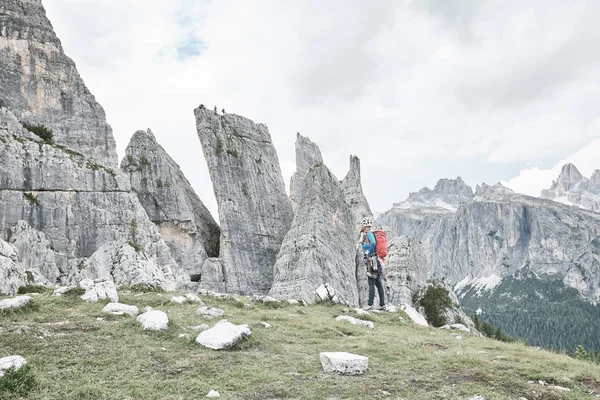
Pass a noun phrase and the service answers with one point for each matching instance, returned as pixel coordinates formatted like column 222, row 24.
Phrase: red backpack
column 381, row 247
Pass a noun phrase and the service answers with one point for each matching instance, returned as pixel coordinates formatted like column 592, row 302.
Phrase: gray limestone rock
column 254, row 210
column 307, row 155
column 405, row 270
column 213, row 275
column 163, row 190
column 12, row 273
column 35, row 251
column 344, row 363
column 223, row 335
column 320, row 246
column 41, row 85
column 359, row 207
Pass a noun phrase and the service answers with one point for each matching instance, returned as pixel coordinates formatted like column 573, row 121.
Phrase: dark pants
column 376, row 282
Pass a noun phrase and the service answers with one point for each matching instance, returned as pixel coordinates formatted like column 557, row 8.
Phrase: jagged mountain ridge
column 572, row 188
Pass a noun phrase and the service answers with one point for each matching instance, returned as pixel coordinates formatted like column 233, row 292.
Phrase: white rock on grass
column 62, row 290
column 201, row 327
column 265, row 299
column 458, row 337
column 360, row 311
column 293, row 302
column 15, row 362
column 344, row 363
column 120, row 309
column 154, row 320
column 15, row 303
column 391, row 308
column 210, row 312
column 223, row 335
column 266, row 325
column 213, row 393
column 99, row 289
column 563, row 389
column 191, row 297
column 414, row 315
column 356, row 321
column 477, row 398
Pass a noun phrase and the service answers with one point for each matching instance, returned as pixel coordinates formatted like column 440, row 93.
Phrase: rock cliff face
column 406, row 270
column 572, row 188
column 12, row 274
column 254, row 210
column 359, row 208
column 307, row 155
column 61, row 197
column 41, row 85
column 320, row 246
column 169, row 200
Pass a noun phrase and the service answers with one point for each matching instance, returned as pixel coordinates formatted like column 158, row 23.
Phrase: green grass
column 33, row 289
column 73, row 355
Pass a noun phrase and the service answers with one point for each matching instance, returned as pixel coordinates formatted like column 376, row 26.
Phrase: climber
column 373, row 264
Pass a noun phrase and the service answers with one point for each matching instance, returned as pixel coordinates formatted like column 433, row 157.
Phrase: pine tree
column 580, row 353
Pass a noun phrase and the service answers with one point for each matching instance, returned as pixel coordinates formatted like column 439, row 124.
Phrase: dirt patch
column 589, row 384
column 435, row 345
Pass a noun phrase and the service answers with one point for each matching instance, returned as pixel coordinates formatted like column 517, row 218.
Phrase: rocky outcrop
column 41, row 85
column 163, row 190
column 406, row 270
column 307, row 155
column 447, row 193
column 35, row 252
column 359, row 207
column 572, row 188
column 12, row 274
column 320, row 246
column 497, row 191
column 58, row 159
column 254, row 210
column 213, row 275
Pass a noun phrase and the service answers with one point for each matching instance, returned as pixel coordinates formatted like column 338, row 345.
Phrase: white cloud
column 418, row 90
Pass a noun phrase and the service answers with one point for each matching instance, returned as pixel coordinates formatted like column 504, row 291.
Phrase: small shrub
column 219, row 146
column 233, row 153
column 2, row 104
column 434, row 302
column 32, row 289
column 136, row 247
column 31, row 199
column 74, row 292
column 97, row 167
column 41, row 131
column 17, row 384
column 144, row 161
column 29, row 276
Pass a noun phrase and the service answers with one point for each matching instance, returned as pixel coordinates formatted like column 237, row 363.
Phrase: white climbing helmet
column 366, row 222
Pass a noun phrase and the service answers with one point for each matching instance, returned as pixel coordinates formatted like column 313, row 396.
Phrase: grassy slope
column 75, row 356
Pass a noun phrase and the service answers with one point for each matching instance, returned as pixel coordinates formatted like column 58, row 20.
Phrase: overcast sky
column 419, row 90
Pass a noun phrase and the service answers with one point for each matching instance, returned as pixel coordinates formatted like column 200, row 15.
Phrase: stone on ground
column 414, row 315
column 213, row 393
column 360, row 311
column 356, row 321
column 15, row 362
column 210, row 312
column 266, row 325
column 120, row 309
column 223, row 335
column 99, row 289
column 344, row 363
column 460, row 327
column 154, row 320
column 15, row 302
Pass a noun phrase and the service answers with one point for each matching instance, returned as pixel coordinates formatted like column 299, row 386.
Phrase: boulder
column 99, row 289
column 210, row 312
column 15, row 303
column 12, row 273
column 7, row 363
column 414, row 315
column 223, row 335
column 344, row 363
column 154, row 320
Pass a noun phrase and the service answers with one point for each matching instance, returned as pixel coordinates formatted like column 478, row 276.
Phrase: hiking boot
column 382, row 308
column 368, row 308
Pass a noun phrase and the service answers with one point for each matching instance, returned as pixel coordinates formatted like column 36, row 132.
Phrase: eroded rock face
column 307, row 155
column 406, row 270
column 359, row 207
column 12, row 274
column 163, row 190
column 41, row 85
column 35, row 251
column 254, row 210
column 320, row 246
